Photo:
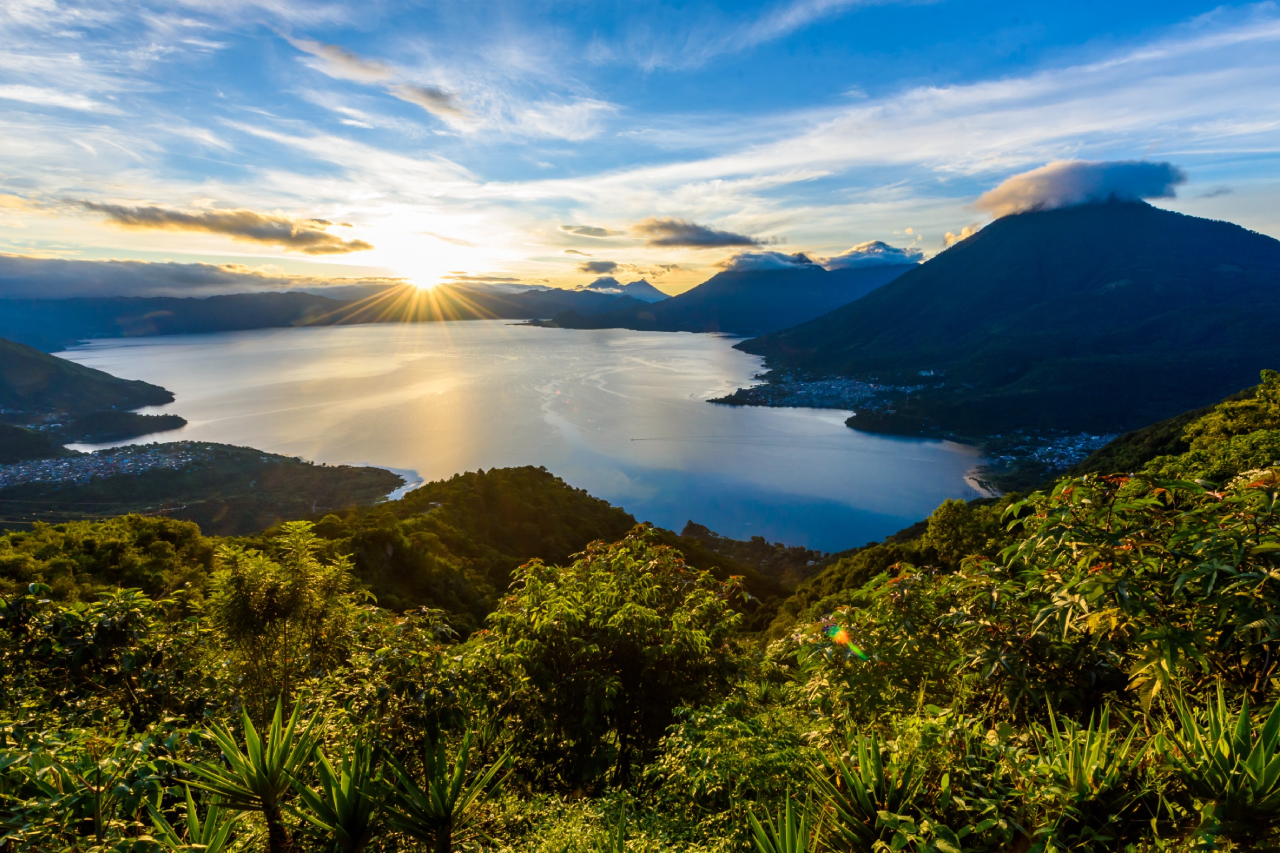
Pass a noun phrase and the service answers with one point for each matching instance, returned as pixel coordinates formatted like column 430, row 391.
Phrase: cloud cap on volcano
column 873, row 253
column 767, row 261
column 1065, row 183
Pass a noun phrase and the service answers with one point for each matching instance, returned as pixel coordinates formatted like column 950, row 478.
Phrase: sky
column 543, row 143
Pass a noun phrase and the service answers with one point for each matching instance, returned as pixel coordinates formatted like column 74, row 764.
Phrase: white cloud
column 1064, row 183
column 54, row 98
column 873, row 253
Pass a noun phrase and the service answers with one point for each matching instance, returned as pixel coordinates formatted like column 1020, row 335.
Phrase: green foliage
column 791, row 832
column 259, row 777
column 1236, row 435
column 211, row 835
column 346, row 807
column 1091, row 777
column 1232, row 770
column 282, row 618
column 79, row 559
column 117, row 653
column 1128, row 584
column 437, row 811
column 598, row 654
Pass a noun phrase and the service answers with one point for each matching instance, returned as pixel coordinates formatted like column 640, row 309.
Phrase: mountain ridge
column 1102, row 317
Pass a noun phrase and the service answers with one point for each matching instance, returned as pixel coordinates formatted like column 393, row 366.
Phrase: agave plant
column 866, row 797
column 615, row 840
column 211, row 835
column 1089, row 771
column 790, row 833
column 347, row 806
column 436, row 811
column 1232, row 769
column 257, row 778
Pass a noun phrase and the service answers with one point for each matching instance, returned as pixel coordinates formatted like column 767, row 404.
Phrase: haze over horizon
column 501, row 143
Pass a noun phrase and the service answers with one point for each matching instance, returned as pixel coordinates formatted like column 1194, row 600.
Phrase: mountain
column 52, row 324
column 641, row 290
column 1099, row 317
column 34, row 385
column 745, row 302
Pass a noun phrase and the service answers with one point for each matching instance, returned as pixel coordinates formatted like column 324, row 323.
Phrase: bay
column 619, row 413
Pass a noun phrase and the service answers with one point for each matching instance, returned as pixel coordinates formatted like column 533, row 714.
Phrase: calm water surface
column 621, row 414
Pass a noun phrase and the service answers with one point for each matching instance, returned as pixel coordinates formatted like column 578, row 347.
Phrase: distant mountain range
column 1100, row 317
column 52, row 324
column 641, row 290
column 745, row 302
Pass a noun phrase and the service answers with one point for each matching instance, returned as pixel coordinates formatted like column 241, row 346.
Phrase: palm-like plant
column 1089, row 771
column 790, row 833
column 1234, row 771
column 435, row 812
column 615, row 840
column 257, row 778
column 347, row 806
column 211, row 835
column 862, row 794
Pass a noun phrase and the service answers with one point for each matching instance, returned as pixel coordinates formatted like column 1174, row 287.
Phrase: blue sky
column 453, row 140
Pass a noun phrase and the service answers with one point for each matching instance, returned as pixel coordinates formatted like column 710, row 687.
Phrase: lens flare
column 840, row 637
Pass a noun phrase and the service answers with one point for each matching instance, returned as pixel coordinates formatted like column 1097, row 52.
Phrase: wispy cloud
column 23, row 277
column 307, row 236
column 598, row 267
column 669, row 233
column 590, row 231
column 339, row 62
column 54, row 98
column 433, row 99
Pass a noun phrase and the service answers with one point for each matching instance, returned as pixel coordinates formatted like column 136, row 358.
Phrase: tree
column 599, row 653
column 281, row 618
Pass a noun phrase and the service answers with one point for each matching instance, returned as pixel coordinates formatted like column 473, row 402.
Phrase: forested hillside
column 34, row 384
column 1089, row 667
column 1098, row 318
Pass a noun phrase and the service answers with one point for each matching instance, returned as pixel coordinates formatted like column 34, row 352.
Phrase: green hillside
column 1092, row 668
column 18, row 444
column 33, row 383
column 1098, row 318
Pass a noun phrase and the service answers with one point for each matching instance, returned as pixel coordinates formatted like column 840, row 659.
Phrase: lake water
column 621, row 414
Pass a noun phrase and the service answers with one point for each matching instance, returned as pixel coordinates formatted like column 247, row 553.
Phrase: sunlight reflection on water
column 621, row 414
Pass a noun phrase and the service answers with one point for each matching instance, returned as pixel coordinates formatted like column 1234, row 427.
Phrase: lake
column 621, row 414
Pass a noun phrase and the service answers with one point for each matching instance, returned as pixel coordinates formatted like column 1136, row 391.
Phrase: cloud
column 341, row 63
column 306, row 235
column 45, row 97
column 1215, row 193
column 685, row 234
column 761, row 261
column 598, row 267
column 606, row 284
column 433, row 99
column 590, row 231
column 951, row 238
column 566, row 251
column 873, row 254
column 24, row 277
column 1064, row 183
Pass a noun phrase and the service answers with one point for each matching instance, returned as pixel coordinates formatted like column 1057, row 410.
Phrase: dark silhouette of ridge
column 745, row 302
column 1100, row 317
